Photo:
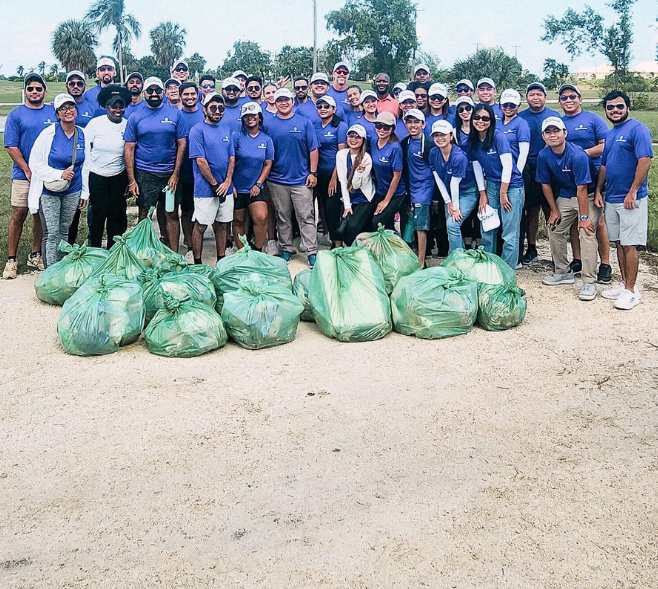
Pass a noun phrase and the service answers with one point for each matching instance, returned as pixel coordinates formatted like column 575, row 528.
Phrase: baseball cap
column 62, row 99
column 536, row 86
column 486, row 81
column 110, row 93
column 406, row 95
column 212, row 97
column 319, row 77
column 552, row 122
column 34, row 77
column 568, row 87
column 401, row 86
column 438, row 88
column 386, row 118
column 171, row 82
column 359, row 130
column 415, row 113
column 228, row 82
column 238, row 73
column 135, row 75
column 75, row 74
column 510, row 95
column 328, row 99
column 464, row 100
column 105, row 61
column 283, row 93
column 341, row 64
column 465, row 82
column 367, row 94
column 443, row 127
column 421, row 66
column 153, row 81
column 250, row 108
column 177, row 63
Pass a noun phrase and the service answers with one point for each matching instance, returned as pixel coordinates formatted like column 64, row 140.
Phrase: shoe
column 627, row 300
column 271, row 248
column 11, row 270
column 612, row 294
column 35, row 262
column 530, row 255
column 556, row 279
column 587, row 292
column 519, row 265
column 604, row 275
column 286, row 256
column 311, row 260
column 576, row 266
column 189, row 257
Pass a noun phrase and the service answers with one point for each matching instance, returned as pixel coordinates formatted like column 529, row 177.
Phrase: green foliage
column 494, row 63
column 555, row 73
column 197, row 64
column 73, row 45
column 148, row 66
column 167, row 43
column 20, row 70
column 248, row 57
column 293, row 61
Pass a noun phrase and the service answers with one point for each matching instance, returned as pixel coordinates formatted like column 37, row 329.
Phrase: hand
column 347, row 213
column 311, row 181
column 254, row 192
column 381, row 206
column 68, row 174
column 455, row 213
column 554, row 217
column 484, row 201
column 586, row 225
column 172, row 182
column 504, row 201
column 281, row 82
column 133, row 188
column 82, row 204
column 332, row 187
column 629, row 201
column 598, row 200
column 361, row 168
column 28, row 174
column 222, row 189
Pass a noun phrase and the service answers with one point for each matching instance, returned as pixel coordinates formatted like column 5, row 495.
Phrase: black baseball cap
column 34, row 77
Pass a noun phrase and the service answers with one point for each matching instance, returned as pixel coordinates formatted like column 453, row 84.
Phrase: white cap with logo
column 319, row 77
column 61, row 100
column 438, row 88
column 283, row 93
column 153, row 81
column 553, row 122
column 406, row 95
column 250, row 108
column 326, row 99
column 231, row 82
column 444, row 127
column 105, row 61
column 510, row 96
column 360, row 130
column 367, row 94
column 414, row 113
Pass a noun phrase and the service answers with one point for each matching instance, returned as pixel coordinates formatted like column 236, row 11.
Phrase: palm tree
column 20, row 70
column 111, row 13
column 53, row 72
column 41, row 68
column 73, row 45
column 167, row 43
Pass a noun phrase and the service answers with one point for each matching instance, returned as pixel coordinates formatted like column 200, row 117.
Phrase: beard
column 154, row 101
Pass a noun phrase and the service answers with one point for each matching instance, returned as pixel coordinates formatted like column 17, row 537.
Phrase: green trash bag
column 179, row 285
column 121, row 262
column 394, row 256
column 259, row 315
column 103, row 314
column 434, row 303
column 481, row 266
column 151, row 252
column 501, row 306
column 184, row 329
column 348, row 295
column 202, row 269
column 58, row 282
column 300, row 288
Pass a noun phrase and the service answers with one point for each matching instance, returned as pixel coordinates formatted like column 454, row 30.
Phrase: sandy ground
column 517, row 459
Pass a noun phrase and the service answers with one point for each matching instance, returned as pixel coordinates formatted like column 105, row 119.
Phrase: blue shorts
column 420, row 214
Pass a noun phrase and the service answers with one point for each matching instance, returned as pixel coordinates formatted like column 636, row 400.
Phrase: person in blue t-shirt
column 563, row 169
column 332, row 136
column 56, row 162
column 492, row 156
column 233, row 103
column 339, row 82
column 387, row 165
column 623, row 179
column 254, row 89
column 407, row 100
column 439, row 106
column 105, row 73
column 303, row 104
column 587, row 130
column 75, row 86
column 267, row 105
column 353, row 109
column 213, row 155
column 534, row 115
column 254, row 154
column 294, row 175
column 486, row 91
column 135, row 85
column 22, row 127
column 155, row 145
column 421, row 92
column 369, row 115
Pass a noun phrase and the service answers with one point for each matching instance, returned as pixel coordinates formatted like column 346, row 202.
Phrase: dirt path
column 517, row 459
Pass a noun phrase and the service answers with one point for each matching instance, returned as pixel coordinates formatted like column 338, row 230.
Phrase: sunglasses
column 106, row 68
column 354, row 135
column 342, row 72
column 463, row 89
column 76, row 83
column 232, row 89
column 66, row 108
column 208, row 86
column 383, row 126
column 566, row 97
column 323, row 105
column 615, row 106
column 300, row 88
column 154, row 91
column 216, row 107
column 466, row 107
column 436, row 97
column 180, row 68
column 34, row 89
column 483, row 118
column 421, row 95
column 253, row 88
column 508, row 105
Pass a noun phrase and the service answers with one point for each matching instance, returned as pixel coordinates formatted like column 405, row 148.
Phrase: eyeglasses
column 76, row 83
column 383, row 126
column 354, row 135
column 66, row 108
column 208, row 86
column 566, row 97
column 466, row 107
column 462, row 89
column 301, row 88
column 154, row 90
column 323, row 105
column 106, row 68
column 508, row 105
column 342, row 72
column 180, row 68
column 253, row 88
column 483, row 118
column 436, row 97
column 421, row 95
column 216, row 107
column 34, row 89
column 615, row 106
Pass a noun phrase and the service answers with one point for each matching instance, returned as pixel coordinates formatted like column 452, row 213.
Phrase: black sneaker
column 604, row 275
column 530, row 255
column 576, row 266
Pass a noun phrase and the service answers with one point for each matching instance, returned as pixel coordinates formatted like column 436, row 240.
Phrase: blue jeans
column 510, row 221
column 468, row 200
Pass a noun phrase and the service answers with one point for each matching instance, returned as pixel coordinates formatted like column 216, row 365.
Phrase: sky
column 449, row 30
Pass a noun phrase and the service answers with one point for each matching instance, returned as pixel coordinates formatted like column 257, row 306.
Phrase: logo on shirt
column 384, row 160
column 581, row 127
column 620, row 139
column 566, row 169
column 168, row 121
column 261, row 146
column 418, row 154
column 329, row 134
column 225, row 139
column 295, row 130
column 492, row 151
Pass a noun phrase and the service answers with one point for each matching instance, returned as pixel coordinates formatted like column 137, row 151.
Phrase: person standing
column 172, row 92
column 241, row 77
column 268, row 107
column 213, row 155
column 303, row 103
column 135, row 85
column 397, row 88
column 439, row 106
column 75, row 86
column 23, row 126
column 563, row 169
column 104, row 178
column 623, row 179
column 407, row 100
column 536, row 113
column 105, row 73
column 422, row 74
column 254, row 89
column 207, row 84
column 232, row 104
column 56, row 162
column 353, row 109
column 154, row 149
column 369, row 115
column 486, row 90
column 339, row 82
column 180, row 71
column 421, row 91
column 293, row 176
column 385, row 102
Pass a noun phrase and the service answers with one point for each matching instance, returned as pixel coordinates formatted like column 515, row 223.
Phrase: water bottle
column 170, row 199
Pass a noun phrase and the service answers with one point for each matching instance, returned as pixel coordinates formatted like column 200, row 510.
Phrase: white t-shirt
column 104, row 146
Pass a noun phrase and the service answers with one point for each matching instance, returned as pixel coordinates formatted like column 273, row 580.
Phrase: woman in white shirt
column 104, row 178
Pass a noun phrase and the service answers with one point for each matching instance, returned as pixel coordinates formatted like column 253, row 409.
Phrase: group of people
column 332, row 158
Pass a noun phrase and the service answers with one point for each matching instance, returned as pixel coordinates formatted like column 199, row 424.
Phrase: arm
column 524, row 148
column 600, row 183
column 129, row 157
column 395, row 181
column 204, row 168
column 641, row 171
column 84, row 195
column 313, row 158
column 597, row 150
column 222, row 189
column 554, row 217
column 38, row 162
column 442, row 188
column 180, row 152
column 361, row 175
column 583, row 208
column 505, row 177
column 482, row 187
column 16, row 155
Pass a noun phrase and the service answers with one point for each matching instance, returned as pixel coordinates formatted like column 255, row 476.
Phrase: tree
column 20, row 70
column 41, row 68
column 503, row 69
column 53, row 72
column 584, row 31
column 249, row 57
column 73, row 45
column 386, row 28
column 197, row 64
column 555, row 73
column 148, row 66
column 167, row 43
column 104, row 14
column 434, row 63
column 293, row 61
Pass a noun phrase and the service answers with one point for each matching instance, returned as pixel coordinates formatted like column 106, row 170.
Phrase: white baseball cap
column 341, row 64
column 486, row 81
column 179, row 62
column 464, row 100
column 465, row 82
column 212, row 97
column 367, row 94
column 250, row 108
column 415, row 113
column 406, row 95
column 228, row 82
column 553, row 122
column 319, row 77
column 105, row 61
column 444, row 127
column 328, row 99
column 238, row 73
column 153, row 81
column 569, row 87
column 438, row 88
column 360, row 130
column 388, row 118
column 62, row 99
column 75, row 74
column 401, row 86
column 510, row 95
column 283, row 93
column 421, row 66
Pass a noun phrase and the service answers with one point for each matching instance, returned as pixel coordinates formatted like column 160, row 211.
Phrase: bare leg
column 421, row 237
column 162, row 220
column 631, row 264
column 238, row 226
column 621, row 259
column 258, row 211
column 271, row 221
column 575, row 242
column 532, row 216
column 173, row 230
column 188, row 226
column 604, row 243
column 15, row 229
column 143, row 213
column 197, row 240
column 221, row 232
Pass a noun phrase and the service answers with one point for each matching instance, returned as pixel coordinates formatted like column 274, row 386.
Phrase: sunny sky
column 450, row 30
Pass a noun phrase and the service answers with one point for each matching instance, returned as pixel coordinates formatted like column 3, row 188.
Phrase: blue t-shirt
column 351, row 115
column 498, row 112
column 328, row 139
column 214, row 143
column 188, row 120
column 356, row 196
column 456, row 166
column 155, row 131
column 294, row 139
column 232, row 115
column 310, row 111
column 625, row 144
column 516, row 131
column 86, row 111
column 490, row 159
column 564, row 172
column 250, row 156
column 430, row 120
column 22, row 128
column 340, row 96
column 400, row 130
column 385, row 161
column 131, row 108
column 419, row 173
column 61, row 155
column 534, row 120
column 369, row 126
column 586, row 129
column 91, row 96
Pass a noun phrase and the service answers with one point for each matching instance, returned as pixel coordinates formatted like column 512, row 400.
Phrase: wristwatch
column 313, row 173
column 260, row 186
column 583, row 217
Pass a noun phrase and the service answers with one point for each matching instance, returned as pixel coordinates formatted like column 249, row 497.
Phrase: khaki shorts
column 627, row 226
column 19, row 192
column 208, row 210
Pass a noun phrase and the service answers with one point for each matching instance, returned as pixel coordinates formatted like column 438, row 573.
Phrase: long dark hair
column 357, row 162
column 474, row 138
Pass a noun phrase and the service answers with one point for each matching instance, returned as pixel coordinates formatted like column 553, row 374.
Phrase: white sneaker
column 35, row 262
column 587, row 292
column 230, row 251
column 189, row 257
column 612, row 294
column 627, row 300
column 556, row 279
column 271, row 248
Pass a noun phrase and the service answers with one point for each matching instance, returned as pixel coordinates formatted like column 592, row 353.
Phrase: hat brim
column 113, row 90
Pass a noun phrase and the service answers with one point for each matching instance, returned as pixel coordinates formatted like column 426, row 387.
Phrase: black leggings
column 107, row 195
column 330, row 207
column 357, row 222
column 398, row 204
